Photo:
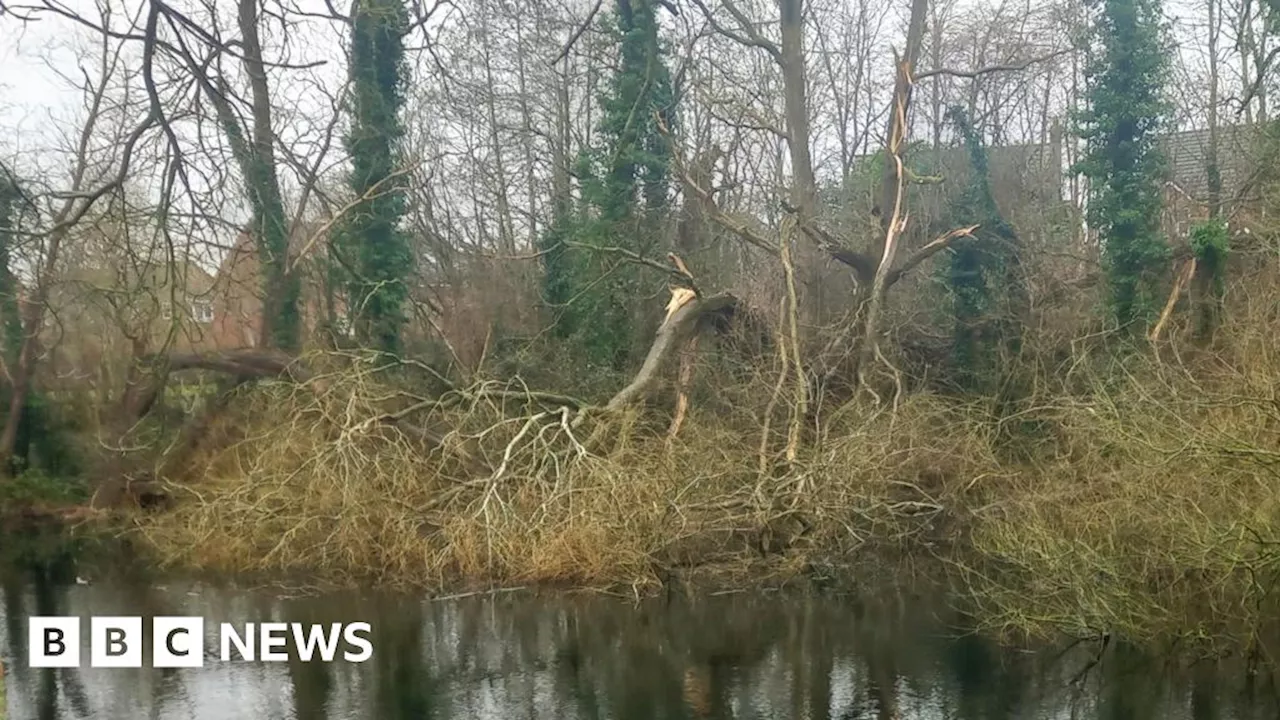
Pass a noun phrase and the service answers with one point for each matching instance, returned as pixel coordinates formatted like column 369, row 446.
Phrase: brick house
column 237, row 296
column 1187, row 190
column 101, row 315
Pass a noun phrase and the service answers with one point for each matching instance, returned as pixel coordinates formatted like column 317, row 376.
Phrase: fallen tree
column 691, row 316
column 121, row 480
column 688, row 315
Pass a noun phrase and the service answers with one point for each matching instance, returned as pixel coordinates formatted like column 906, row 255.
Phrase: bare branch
column 1010, row 67
column 564, row 51
column 752, row 37
column 937, row 245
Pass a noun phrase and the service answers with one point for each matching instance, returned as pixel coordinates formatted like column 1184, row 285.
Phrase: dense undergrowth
column 1130, row 492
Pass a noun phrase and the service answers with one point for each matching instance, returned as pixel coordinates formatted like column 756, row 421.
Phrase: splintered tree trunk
column 902, row 87
column 893, row 217
column 678, row 327
column 687, row 357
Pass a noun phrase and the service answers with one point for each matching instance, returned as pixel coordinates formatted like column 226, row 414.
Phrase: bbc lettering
column 178, row 642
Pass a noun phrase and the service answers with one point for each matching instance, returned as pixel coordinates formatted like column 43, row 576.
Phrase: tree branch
column 573, row 39
column 721, row 218
column 683, row 276
column 928, row 251
column 972, row 74
column 753, row 38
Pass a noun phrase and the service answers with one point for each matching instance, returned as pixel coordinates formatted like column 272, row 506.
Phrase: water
column 892, row 654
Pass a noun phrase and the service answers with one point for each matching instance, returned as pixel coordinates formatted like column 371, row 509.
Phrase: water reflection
column 743, row 656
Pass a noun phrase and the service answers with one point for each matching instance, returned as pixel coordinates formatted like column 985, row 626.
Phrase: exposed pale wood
column 678, row 327
column 687, row 357
column 896, row 221
column 1184, row 277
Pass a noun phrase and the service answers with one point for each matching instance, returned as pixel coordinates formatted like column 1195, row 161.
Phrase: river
column 584, row 656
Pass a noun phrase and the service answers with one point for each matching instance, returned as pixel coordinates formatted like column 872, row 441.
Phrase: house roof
column 1187, row 152
column 186, row 274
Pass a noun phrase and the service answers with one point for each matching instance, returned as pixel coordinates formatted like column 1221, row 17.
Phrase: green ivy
column 1209, row 240
column 14, row 208
column 625, row 184
column 374, row 249
column 1209, row 243
column 983, row 275
column 1126, row 74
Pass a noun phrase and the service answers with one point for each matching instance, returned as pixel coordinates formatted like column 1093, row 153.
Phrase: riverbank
column 1110, row 491
column 1134, row 499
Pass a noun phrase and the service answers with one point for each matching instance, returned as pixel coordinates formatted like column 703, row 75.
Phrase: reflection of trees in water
column 1131, row 688
column 817, row 659
column 403, row 686
column 35, row 564
column 311, row 682
column 576, row 657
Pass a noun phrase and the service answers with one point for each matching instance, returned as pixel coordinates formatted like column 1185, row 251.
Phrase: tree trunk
column 33, row 312
column 903, row 84
column 679, row 327
column 803, row 190
column 1207, row 275
column 280, row 326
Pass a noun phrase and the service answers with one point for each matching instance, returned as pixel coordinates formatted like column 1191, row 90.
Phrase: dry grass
column 1159, row 515
column 515, row 492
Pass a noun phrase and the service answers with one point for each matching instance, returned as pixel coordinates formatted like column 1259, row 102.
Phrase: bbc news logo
column 178, row 642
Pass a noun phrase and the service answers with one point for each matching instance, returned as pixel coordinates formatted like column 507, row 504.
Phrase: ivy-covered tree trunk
column 985, row 275
column 281, row 289
column 625, row 196
column 1209, row 244
column 374, row 248
column 557, row 268
column 633, row 190
column 1209, row 239
column 11, row 202
column 1126, row 77
column 12, row 209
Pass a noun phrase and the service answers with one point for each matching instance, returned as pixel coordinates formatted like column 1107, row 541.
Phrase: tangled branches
column 351, row 475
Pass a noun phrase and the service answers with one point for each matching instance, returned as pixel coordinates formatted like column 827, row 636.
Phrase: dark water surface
column 589, row 657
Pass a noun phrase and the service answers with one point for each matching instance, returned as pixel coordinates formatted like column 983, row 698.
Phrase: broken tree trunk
column 680, row 325
column 1184, row 277
column 687, row 357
